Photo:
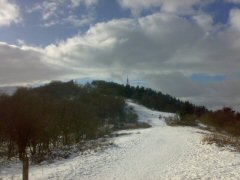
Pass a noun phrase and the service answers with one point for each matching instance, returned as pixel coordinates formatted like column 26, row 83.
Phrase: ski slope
column 160, row 152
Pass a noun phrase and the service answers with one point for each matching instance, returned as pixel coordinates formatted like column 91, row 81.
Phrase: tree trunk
column 25, row 163
column 10, row 149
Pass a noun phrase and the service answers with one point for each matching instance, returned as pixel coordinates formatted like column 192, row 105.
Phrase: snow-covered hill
column 160, row 152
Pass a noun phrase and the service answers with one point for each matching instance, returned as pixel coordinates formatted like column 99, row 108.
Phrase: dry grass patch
column 187, row 120
column 222, row 140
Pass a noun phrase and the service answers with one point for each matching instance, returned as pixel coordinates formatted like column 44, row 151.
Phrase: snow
column 159, row 152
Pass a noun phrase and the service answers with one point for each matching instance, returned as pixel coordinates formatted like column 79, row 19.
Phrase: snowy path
column 160, row 152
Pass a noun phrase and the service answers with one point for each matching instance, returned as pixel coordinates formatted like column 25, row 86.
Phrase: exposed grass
column 215, row 136
column 222, row 140
column 64, row 152
column 61, row 152
column 188, row 120
column 137, row 125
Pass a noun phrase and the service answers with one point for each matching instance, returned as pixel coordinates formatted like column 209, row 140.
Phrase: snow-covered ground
column 160, row 152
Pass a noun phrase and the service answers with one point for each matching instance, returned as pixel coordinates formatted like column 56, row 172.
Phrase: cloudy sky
column 186, row 48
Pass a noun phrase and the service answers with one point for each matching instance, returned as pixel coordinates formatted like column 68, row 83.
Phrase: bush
column 224, row 120
column 186, row 120
column 173, row 121
column 36, row 121
column 222, row 140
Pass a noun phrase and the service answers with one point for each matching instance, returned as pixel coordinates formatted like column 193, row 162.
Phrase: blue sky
column 32, row 29
column 188, row 48
column 220, row 10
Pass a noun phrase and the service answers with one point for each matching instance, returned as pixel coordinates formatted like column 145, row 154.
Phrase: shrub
column 222, row 140
column 224, row 120
column 186, row 120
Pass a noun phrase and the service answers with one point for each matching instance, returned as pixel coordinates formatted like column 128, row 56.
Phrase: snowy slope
column 160, row 152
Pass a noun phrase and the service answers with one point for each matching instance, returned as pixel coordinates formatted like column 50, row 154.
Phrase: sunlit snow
column 160, row 152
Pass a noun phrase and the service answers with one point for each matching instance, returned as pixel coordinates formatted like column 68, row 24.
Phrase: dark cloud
column 25, row 65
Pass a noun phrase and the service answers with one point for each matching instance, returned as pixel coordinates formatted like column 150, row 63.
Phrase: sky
column 186, row 48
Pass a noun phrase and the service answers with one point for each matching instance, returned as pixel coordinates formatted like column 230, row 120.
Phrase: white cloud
column 169, row 6
column 88, row 3
column 74, row 20
column 9, row 13
column 62, row 12
column 20, row 42
column 153, row 48
column 235, row 18
column 205, row 21
column 233, row 1
column 48, row 9
column 161, row 41
column 162, row 49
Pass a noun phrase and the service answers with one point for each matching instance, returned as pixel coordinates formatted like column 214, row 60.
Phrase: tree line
column 225, row 120
column 35, row 120
column 150, row 98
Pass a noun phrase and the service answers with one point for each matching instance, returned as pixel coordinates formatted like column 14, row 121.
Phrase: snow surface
column 160, row 152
